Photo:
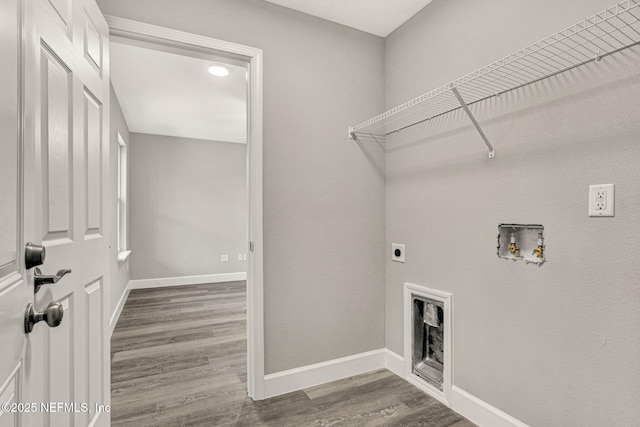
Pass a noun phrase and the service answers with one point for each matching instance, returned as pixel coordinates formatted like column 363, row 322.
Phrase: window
column 123, row 251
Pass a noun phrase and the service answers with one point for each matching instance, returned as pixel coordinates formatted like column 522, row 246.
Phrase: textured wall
column 119, row 270
column 323, row 195
column 551, row 346
column 188, row 206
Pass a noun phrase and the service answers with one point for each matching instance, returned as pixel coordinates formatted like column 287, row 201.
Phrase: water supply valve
column 512, row 246
column 539, row 251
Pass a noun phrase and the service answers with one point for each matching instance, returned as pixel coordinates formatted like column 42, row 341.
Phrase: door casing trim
column 135, row 30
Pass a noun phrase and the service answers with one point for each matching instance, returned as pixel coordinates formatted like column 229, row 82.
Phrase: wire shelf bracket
column 465, row 107
column 590, row 40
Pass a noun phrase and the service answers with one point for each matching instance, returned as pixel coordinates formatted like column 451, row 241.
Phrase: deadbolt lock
column 34, row 255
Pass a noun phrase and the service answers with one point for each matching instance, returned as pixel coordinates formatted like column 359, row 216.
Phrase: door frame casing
column 135, row 30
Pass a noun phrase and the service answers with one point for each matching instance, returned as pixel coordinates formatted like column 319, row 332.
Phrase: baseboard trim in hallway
column 320, row 373
column 464, row 403
column 187, row 280
column 118, row 310
column 394, row 362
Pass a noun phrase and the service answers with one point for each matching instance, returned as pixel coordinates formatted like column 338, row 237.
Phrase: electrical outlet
column 224, row 258
column 601, row 200
column 397, row 252
column 239, row 257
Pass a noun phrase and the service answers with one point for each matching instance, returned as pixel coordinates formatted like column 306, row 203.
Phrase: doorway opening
column 235, row 57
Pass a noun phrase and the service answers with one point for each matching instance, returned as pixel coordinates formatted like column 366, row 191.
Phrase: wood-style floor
column 178, row 358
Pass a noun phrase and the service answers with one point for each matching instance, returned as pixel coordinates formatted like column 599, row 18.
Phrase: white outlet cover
column 397, row 247
column 602, row 200
column 224, row 258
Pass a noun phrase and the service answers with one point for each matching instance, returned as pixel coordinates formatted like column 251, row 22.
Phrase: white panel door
column 66, row 89
column 14, row 292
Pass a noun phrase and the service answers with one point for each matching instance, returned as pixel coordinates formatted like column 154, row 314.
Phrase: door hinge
column 251, row 245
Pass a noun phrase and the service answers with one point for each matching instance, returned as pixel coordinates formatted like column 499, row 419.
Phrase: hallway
column 179, row 353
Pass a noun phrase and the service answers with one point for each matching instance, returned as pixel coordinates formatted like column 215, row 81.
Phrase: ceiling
column 379, row 17
column 171, row 94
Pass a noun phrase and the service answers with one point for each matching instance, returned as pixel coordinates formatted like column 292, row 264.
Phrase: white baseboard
column 186, row 280
column 466, row 404
column 116, row 313
column 394, row 362
column 479, row 411
column 320, row 373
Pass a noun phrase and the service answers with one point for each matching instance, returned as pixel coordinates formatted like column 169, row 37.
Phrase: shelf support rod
column 352, row 134
column 465, row 107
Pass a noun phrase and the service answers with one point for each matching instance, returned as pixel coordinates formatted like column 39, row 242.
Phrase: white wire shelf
column 592, row 39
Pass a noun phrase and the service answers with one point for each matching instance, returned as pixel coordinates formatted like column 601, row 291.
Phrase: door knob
column 40, row 279
column 34, row 255
column 52, row 315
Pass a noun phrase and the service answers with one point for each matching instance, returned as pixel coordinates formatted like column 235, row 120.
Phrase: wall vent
column 428, row 341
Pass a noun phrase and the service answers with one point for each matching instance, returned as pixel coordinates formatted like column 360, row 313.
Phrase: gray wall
column 323, row 196
column 188, row 206
column 551, row 346
column 119, row 270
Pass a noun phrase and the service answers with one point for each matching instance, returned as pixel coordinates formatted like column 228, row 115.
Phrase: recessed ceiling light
column 218, row 70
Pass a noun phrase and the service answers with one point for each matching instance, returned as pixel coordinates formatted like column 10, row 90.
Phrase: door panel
column 66, row 157
column 56, row 147
column 12, row 297
column 94, row 297
column 12, row 301
column 92, row 45
column 8, row 185
column 14, row 293
column 58, row 346
column 62, row 9
column 9, row 127
column 9, row 393
column 93, row 162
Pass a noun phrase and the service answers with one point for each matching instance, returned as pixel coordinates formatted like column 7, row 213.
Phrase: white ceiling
column 165, row 93
column 169, row 94
column 379, row 17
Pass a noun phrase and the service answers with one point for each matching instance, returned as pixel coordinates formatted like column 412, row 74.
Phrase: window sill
column 123, row 255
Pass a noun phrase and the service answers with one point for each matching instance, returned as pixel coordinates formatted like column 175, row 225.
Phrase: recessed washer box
column 522, row 242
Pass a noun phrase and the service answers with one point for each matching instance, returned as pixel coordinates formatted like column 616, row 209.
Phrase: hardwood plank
column 198, row 344
column 145, row 366
column 325, row 389
column 161, row 338
column 133, row 329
